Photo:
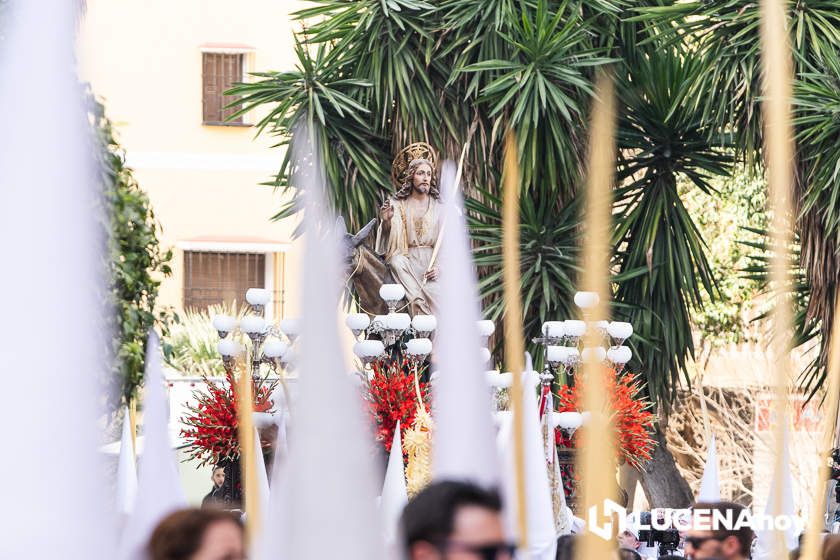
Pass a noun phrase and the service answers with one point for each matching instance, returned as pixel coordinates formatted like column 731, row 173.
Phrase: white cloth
column 408, row 249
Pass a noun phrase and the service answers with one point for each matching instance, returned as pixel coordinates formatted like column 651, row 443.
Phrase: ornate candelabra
column 562, row 341
column 384, row 332
column 267, row 344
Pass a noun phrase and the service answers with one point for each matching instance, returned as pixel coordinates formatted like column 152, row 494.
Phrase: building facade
column 160, row 68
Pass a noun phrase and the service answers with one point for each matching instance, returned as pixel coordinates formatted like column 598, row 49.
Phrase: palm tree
column 374, row 75
column 726, row 33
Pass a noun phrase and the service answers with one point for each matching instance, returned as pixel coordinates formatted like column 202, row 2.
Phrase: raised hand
column 386, row 212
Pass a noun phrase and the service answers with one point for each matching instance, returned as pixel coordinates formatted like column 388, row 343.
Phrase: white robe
column 408, row 249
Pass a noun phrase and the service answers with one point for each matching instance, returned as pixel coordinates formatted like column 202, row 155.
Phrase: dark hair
column 831, row 547
column 178, row 536
column 565, row 547
column 430, row 515
column 744, row 534
column 627, row 554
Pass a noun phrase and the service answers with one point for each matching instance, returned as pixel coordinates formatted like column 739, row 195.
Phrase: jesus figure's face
column 422, row 178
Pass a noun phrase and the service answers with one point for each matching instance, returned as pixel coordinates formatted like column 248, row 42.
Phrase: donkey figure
column 364, row 268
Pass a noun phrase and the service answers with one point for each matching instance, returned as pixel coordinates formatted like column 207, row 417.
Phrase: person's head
column 419, row 177
column 627, row 554
column 455, row 521
column 831, row 548
column 628, row 539
column 196, row 534
column 719, row 543
column 565, row 547
column 218, row 476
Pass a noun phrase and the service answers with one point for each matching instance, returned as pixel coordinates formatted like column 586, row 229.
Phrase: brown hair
column 178, row 536
column 744, row 534
column 408, row 184
column 831, row 548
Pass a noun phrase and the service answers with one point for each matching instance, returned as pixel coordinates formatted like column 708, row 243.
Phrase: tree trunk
column 663, row 484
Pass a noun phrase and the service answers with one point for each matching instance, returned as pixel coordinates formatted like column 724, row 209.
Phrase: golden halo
column 418, row 150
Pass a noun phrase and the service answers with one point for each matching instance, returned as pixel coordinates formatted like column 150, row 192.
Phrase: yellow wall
column 144, row 58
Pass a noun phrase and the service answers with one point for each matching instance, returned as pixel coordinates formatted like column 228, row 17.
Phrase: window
column 212, row 277
column 219, row 72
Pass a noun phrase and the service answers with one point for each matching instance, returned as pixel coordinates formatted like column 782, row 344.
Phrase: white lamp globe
column 290, row 327
column 397, row 321
column 555, row 354
column 601, row 326
column 273, row 348
column 568, row 420
column 619, row 354
column 228, row 348
column 574, row 328
column 424, row 323
column 499, row 380
column 289, row 356
column 419, row 347
column 357, row 321
column 486, row 327
column 253, row 324
column 368, row 348
column 586, row 300
column 570, row 356
column 378, row 323
column 391, row 292
column 620, row 330
column 554, row 329
column 257, row 296
column 485, row 355
column 593, row 354
column 224, row 323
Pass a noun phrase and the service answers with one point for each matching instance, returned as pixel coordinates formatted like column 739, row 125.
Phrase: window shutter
column 212, row 278
column 219, row 72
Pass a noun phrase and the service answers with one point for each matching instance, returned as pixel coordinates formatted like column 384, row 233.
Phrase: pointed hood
column 126, row 469
column 159, row 490
column 710, row 483
column 464, row 440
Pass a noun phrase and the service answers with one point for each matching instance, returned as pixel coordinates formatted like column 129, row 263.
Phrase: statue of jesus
column 409, row 226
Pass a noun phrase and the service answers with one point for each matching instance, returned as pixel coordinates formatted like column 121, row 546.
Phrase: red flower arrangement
column 213, row 422
column 392, row 397
column 631, row 415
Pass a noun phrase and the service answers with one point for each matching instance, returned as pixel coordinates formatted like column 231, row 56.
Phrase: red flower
column 631, row 416
column 213, row 421
column 392, row 397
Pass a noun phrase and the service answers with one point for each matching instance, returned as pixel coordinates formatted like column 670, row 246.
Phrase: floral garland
column 632, row 416
column 392, row 396
column 213, row 421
